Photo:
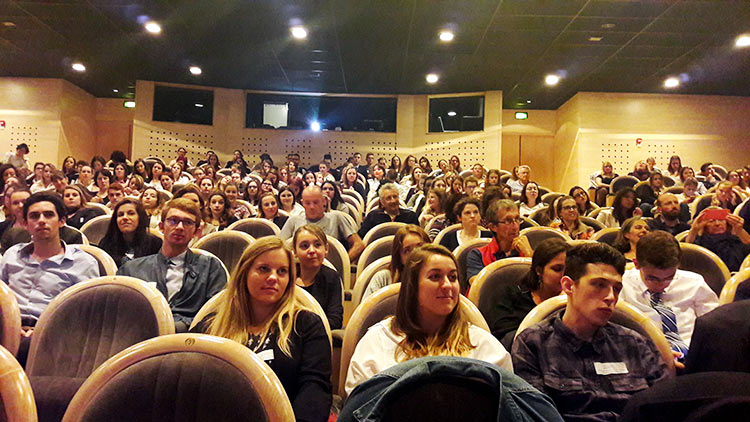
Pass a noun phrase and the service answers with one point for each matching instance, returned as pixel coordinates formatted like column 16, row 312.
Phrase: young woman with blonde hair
column 428, row 322
column 258, row 309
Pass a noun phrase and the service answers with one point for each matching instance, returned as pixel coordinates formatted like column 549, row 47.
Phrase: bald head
column 314, row 202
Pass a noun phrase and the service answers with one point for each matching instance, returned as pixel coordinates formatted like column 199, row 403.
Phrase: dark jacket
column 204, row 277
column 378, row 216
column 518, row 401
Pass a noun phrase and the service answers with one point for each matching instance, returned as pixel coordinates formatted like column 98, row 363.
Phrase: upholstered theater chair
column 16, row 397
column 84, row 326
column 182, row 377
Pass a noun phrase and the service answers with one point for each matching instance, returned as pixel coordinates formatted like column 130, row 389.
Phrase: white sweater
column 376, row 351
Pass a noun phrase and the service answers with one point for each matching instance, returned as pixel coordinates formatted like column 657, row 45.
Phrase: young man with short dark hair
column 672, row 298
column 587, row 365
column 185, row 278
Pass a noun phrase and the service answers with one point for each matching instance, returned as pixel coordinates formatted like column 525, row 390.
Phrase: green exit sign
column 522, row 115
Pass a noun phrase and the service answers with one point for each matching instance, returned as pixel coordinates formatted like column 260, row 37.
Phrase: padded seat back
column 255, row 227
column 622, row 182
column 462, row 255
column 374, row 251
column 10, row 320
column 485, row 292
column 706, row 263
column 183, row 377
column 96, row 228
column 606, row 235
column 382, row 230
column 107, row 265
column 16, row 396
column 339, row 258
column 592, row 222
column 227, row 245
column 537, row 235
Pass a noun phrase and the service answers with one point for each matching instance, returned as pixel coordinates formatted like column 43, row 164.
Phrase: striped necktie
column 668, row 323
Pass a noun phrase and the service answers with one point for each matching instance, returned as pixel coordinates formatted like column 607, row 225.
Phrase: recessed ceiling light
column 195, row 70
column 115, row 91
column 199, row 105
column 451, row 113
column 551, row 80
column 431, row 78
column 9, row 24
column 315, row 126
column 299, row 32
column 742, row 41
column 528, row 101
column 446, row 36
column 152, row 27
column 78, row 67
column 671, row 83
column 608, row 25
column 595, row 39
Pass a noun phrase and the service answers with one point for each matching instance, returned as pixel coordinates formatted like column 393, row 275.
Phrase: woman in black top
column 518, row 299
column 127, row 236
column 219, row 210
column 323, row 283
column 78, row 212
column 467, row 212
column 268, row 206
column 258, row 309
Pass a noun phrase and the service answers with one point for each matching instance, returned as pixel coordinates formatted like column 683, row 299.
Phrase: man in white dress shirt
column 670, row 297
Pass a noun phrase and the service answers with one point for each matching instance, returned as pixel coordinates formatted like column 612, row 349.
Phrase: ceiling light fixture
column 152, row 27
column 671, row 82
column 315, row 126
column 451, row 113
column 551, row 80
column 446, row 36
column 431, row 78
column 299, row 32
column 195, row 70
column 608, row 25
column 742, row 41
column 199, row 105
column 595, row 39
column 115, row 91
column 528, row 101
column 9, row 24
column 78, row 67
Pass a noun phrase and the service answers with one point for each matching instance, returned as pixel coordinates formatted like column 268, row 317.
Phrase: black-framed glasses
column 174, row 222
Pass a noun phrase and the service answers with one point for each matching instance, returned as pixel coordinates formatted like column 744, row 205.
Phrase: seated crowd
column 577, row 359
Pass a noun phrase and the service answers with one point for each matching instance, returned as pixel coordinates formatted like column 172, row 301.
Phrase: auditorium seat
column 591, row 222
column 227, row 245
column 382, row 230
column 255, row 227
column 377, row 307
column 462, row 255
column 374, row 250
column 16, row 397
column 84, row 326
column 537, row 235
column 621, row 182
column 107, row 265
column 101, row 208
column 10, row 320
column 625, row 314
column 207, row 253
column 96, row 228
column 338, row 256
column 364, row 278
column 185, row 377
column 729, row 290
column 606, row 235
column 706, row 263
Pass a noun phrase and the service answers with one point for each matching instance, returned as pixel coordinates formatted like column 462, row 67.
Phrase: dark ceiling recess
column 385, row 46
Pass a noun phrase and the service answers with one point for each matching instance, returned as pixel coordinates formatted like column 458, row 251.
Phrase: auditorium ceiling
column 370, row 46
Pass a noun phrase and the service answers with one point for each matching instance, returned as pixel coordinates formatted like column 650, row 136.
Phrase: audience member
column 524, row 175
column 725, row 237
column 333, row 223
column 640, row 171
column 530, row 200
column 568, row 220
column 389, row 211
column 467, row 213
column 115, row 193
column 77, row 211
column 674, row 166
column 152, row 202
column 504, row 221
column 687, row 173
column 428, row 322
column 587, row 365
column 710, row 176
column 518, row 297
column 321, row 281
column 269, row 209
column 405, row 241
column 239, row 209
column 649, row 192
column 185, row 278
column 259, row 310
column 38, row 271
column 725, row 197
column 288, row 202
column 624, row 206
column 721, row 340
column 585, row 206
column 128, row 234
column 218, row 211
column 672, row 298
column 668, row 213
column 601, row 183
column 632, row 230
column 18, row 159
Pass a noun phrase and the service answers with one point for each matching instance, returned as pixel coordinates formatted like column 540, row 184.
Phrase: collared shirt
column 37, row 283
column 687, row 295
column 175, row 274
column 589, row 381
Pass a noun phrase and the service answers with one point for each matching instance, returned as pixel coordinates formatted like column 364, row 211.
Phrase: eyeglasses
column 511, row 221
column 570, row 207
column 174, row 222
column 580, row 195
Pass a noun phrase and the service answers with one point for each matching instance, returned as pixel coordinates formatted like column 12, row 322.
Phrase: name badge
column 610, row 368
column 266, row 355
